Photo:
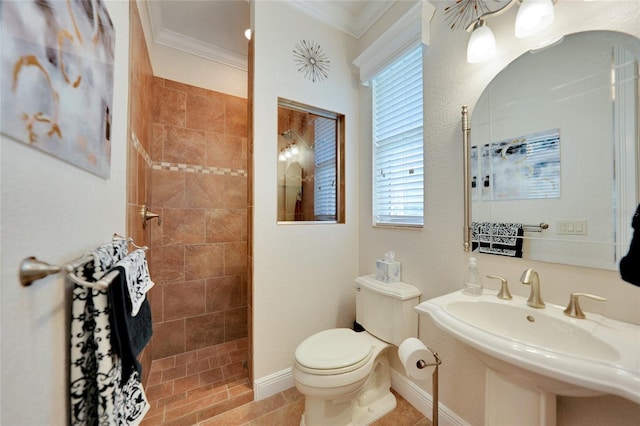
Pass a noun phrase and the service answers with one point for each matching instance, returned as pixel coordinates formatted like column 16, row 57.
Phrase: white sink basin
column 557, row 353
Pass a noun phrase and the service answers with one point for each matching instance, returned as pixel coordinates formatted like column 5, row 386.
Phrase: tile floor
column 209, row 387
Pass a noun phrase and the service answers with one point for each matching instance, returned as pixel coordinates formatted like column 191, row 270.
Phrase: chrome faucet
column 530, row 277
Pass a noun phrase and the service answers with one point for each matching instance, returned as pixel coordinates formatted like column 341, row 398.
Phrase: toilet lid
column 335, row 349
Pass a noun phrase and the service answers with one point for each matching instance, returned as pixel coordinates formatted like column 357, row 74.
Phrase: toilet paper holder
column 421, row 363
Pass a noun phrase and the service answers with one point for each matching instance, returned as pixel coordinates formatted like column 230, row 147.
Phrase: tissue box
column 388, row 271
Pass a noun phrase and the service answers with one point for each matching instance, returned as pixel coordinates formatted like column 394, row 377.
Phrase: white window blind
column 398, row 160
column 325, row 156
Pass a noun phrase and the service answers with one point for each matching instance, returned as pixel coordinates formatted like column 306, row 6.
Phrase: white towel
column 138, row 279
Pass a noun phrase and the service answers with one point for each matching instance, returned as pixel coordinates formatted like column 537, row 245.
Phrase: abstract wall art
column 521, row 168
column 57, row 62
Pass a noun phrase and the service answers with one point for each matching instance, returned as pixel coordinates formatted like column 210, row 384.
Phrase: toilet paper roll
column 411, row 351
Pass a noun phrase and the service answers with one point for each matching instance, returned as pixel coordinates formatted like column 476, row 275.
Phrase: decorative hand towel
column 105, row 257
column 630, row 264
column 138, row 279
column 129, row 334
column 504, row 239
column 130, row 402
column 96, row 394
column 478, row 229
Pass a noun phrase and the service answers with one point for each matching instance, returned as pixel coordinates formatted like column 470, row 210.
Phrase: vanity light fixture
column 482, row 43
column 247, row 33
column 289, row 152
column 533, row 17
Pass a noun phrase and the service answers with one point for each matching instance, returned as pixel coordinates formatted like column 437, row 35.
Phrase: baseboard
column 272, row 384
column 280, row 381
column 423, row 401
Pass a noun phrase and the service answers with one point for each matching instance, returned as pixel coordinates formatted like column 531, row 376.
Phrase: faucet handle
column 504, row 292
column 573, row 308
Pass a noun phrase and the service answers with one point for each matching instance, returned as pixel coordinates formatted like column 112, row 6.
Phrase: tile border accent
column 179, row 167
column 138, row 146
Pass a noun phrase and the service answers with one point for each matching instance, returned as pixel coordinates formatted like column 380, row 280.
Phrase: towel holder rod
column 466, row 166
column 535, row 228
column 31, row 269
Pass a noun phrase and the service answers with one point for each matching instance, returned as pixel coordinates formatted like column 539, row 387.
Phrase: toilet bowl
column 345, row 378
column 343, row 374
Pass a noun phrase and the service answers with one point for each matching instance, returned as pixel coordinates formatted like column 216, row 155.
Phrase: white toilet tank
column 387, row 310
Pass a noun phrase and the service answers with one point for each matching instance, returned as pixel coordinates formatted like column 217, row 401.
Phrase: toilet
column 343, row 374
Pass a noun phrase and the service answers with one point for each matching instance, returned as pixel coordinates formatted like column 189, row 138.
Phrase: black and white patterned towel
column 97, row 394
column 104, row 257
column 138, row 279
column 504, row 239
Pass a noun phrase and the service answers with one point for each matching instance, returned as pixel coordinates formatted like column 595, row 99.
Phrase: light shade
column 533, row 17
column 482, row 43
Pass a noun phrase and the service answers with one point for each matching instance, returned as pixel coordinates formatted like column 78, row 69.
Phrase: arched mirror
column 555, row 152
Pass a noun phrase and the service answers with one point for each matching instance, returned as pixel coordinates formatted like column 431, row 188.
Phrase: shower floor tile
column 210, row 387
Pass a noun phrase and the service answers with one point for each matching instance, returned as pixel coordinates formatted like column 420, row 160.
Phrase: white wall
column 56, row 212
column 177, row 65
column 302, row 274
column 433, row 259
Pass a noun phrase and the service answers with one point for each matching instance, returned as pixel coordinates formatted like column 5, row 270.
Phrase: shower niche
column 310, row 164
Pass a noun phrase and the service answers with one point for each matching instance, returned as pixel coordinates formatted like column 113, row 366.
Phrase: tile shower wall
column 139, row 143
column 199, row 187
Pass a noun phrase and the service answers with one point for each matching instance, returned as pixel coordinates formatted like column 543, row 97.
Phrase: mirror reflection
column 555, row 152
column 310, row 146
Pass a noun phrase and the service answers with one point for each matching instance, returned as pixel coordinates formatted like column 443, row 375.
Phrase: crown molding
column 342, row 20
column 325, row 12
column 165, row 37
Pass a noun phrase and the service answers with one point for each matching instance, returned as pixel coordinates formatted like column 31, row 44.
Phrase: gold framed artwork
column 57, row 61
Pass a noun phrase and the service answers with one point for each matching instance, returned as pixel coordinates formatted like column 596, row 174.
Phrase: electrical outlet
column 571, row 227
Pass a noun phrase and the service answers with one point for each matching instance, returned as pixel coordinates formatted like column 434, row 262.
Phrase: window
column 398, row 147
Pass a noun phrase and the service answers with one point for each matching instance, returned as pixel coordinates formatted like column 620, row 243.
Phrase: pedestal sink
column 534, row 354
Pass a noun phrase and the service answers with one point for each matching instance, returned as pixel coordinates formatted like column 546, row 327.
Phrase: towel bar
column 535, row 228
column 31, row 269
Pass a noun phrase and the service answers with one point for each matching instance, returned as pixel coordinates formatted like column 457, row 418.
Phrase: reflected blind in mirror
column 325, row 155
column 398, row 181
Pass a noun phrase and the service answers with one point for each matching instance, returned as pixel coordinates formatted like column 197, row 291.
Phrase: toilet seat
column 334, row 351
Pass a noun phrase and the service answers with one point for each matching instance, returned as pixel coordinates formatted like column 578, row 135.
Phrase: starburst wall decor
column 311, row 60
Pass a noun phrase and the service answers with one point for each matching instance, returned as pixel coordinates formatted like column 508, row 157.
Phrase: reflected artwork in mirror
column 310, row 164
column 555, row 141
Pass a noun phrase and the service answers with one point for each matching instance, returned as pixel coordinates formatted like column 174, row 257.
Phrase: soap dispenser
column 472, row 280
